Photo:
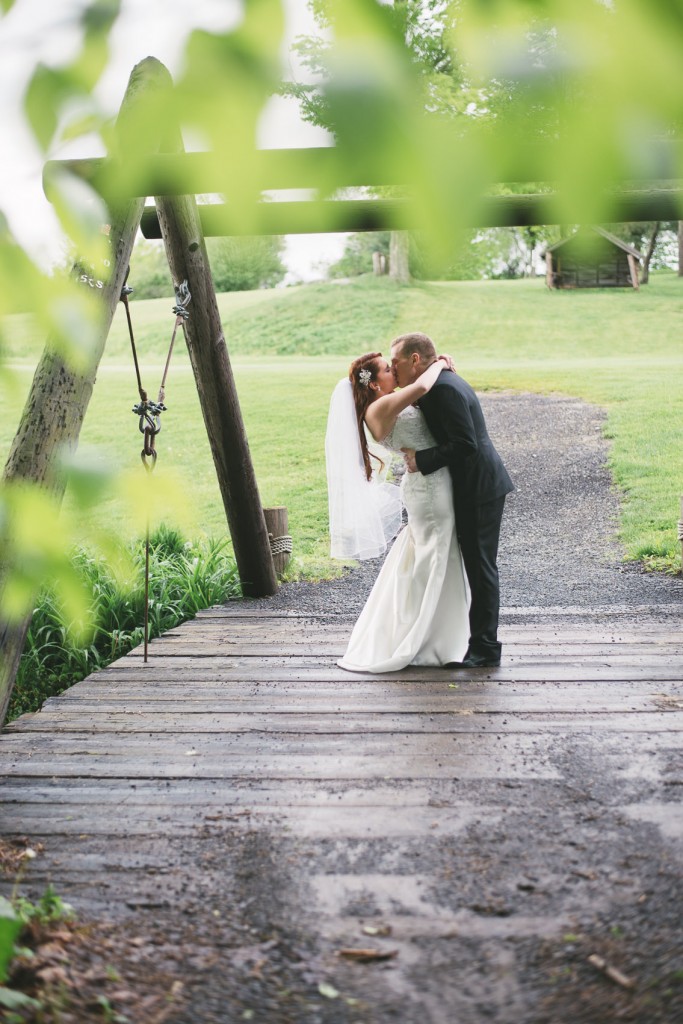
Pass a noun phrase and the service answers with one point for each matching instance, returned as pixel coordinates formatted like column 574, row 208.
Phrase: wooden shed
column 592, row 258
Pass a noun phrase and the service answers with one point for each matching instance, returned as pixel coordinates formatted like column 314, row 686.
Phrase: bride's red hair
column 362, row 397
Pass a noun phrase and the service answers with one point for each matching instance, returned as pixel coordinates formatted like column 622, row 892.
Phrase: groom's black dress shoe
column 474, row 661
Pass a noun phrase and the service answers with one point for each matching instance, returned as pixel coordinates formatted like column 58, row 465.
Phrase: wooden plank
column 209, row 647
column 539, row 635
column 130, row 708
column 342, row 695
column 239, row 794
column 273, row 669
column 453, row 722
column 399, row 755
column 341, row 822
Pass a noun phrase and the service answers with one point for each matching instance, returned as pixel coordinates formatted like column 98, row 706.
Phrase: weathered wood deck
column 487, row 808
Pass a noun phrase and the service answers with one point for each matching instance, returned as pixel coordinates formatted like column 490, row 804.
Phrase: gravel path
column 558, row 549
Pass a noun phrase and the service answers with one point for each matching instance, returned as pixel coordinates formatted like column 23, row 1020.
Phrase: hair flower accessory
column 364, row 377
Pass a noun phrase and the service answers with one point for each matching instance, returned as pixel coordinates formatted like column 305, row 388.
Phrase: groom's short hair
column 416, row 342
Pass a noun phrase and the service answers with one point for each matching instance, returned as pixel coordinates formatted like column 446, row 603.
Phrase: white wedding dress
column 417, row 611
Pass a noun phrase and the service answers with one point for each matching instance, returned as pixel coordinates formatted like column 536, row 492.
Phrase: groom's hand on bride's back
column 409, row 457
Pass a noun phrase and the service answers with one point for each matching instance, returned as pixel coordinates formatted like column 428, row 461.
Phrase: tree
column 643, row 236
column 422, row 26
column 399, row 257
column 649, row 252
column 244, row 264
column 149, row 276
column 357, row 256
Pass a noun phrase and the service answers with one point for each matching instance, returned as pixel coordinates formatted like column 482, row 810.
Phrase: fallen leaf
column 52, row 975
column 366, row 955
column 329, row 991
column 613, row 973
column 374, row 929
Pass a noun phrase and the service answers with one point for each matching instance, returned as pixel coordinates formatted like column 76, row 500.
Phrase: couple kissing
column 436, row 599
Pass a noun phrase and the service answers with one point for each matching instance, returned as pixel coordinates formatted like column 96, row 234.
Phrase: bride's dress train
column 416, row 613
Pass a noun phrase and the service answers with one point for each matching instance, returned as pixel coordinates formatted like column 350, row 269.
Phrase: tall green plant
column 184, row 578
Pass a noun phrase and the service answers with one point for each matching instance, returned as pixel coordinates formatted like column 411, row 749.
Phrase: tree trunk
column 652, row 241
column 59, row 395
column 680, row 248
column 399, row 250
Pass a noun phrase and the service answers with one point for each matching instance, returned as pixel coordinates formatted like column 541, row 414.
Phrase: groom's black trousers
column 478, row 529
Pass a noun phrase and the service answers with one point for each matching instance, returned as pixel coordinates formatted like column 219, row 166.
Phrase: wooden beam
column 59, row 395
column 318, row 216
column 187, row 257
column 326, row 167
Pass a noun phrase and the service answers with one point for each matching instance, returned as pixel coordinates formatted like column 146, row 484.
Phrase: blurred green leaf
column 89, row 477
column 52, row 89
column 6, row 5
column 82, row 214
column 97, row 20
column 45, row 96
column 228, row 79
column 72, row 316
column 10, row 925
column 35, row 541
column 153, row 497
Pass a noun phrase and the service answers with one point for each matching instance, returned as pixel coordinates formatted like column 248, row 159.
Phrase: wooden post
column 633, row 269
column 188, row 260
column 278, row 537
column 59, row 395
column 549, row 270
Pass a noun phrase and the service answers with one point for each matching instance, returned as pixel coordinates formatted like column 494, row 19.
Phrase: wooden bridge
column 453, row 823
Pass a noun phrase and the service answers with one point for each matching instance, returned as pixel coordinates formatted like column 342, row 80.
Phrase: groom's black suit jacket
column 454, row 416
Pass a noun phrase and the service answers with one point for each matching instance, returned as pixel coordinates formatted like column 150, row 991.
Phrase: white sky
column 42, row 30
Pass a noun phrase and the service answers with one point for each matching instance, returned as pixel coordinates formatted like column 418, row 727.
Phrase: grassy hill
column 619, row 349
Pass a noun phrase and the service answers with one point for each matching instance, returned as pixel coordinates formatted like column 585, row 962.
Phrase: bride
column 416, row 613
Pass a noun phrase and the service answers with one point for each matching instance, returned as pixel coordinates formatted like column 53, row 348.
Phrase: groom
column 480, row 483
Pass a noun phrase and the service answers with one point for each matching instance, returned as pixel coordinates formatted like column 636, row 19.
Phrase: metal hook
column 183, row 299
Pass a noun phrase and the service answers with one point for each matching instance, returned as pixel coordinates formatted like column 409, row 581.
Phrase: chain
column 149, row 412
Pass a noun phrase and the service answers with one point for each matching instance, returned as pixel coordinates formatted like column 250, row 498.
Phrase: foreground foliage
column 184, row 577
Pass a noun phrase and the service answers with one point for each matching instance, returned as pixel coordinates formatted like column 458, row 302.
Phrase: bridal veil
column 365, row 515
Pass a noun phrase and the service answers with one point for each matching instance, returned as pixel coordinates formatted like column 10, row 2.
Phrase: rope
column 280, row 545
column 680, row 529
column 149, row 412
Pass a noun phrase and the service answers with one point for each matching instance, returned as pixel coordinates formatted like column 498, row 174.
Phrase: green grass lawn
column 618, row 349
